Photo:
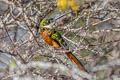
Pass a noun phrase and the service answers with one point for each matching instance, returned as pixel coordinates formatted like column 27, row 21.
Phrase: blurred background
column 92, row 31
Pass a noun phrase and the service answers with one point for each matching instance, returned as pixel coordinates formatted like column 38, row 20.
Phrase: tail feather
column 76, row 61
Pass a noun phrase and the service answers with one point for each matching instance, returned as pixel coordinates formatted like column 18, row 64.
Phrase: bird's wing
column 58, row 38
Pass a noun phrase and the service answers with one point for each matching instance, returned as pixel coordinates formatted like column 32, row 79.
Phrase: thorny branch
column 92, row 34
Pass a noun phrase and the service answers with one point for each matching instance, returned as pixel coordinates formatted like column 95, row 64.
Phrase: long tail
column 76, row 61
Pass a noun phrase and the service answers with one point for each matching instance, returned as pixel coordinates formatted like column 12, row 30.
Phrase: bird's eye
column 50, row 20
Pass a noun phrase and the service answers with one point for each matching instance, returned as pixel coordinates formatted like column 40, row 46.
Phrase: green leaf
column 12, row 64
column 38, row 6
column 84, row 53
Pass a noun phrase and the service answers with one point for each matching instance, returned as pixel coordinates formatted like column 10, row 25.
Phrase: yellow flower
column 62, row 4
column 73, row 5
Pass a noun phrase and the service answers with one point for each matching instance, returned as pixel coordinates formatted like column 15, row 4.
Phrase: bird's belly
column 49, row 40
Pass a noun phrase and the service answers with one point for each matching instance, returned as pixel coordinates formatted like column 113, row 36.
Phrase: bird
column 55, row 39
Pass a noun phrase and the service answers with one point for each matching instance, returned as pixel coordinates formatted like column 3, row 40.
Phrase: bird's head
column 44, row 24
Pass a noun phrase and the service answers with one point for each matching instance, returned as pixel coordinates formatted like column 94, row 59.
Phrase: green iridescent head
column 45, row 22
